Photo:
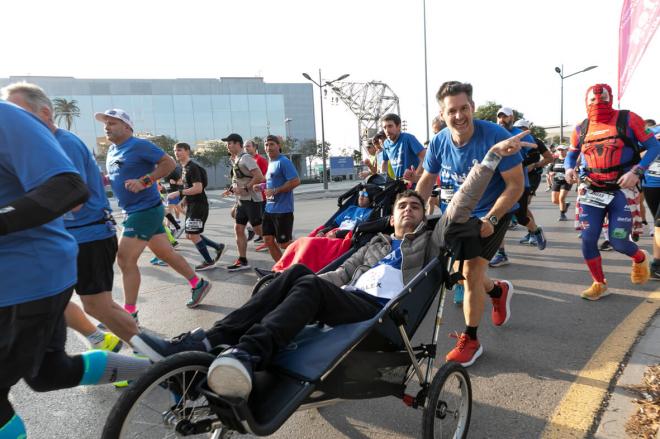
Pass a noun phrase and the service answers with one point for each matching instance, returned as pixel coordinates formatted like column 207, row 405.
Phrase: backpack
column 621, row 133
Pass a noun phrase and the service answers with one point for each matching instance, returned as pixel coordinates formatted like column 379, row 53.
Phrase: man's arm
column 425, row 184
column 515, row 184
column 344, row 273
column 164, row 167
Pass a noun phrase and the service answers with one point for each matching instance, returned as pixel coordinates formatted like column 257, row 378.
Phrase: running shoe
column 502, row 305
column 219, row 252
column 159, row 262
column 250, row 234
column 231, row 374
column 205, row 266
column 655, row 272
column 641, row 272
column 261, row 248
column 466, row 351
column 562, row 217
column 532, row 240
column 156, row 348
column 539, row 236
column 238, row 265
column 197, row 294
column 525, row 239
column 596, row 291
column 175, row 244
column 605, row 246
column 459, row 293
column 499, row 259
column 135, row 317
column 110, row 343
column 258, row 240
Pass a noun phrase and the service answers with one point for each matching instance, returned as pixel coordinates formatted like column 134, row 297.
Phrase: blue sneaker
column 156, row 348
column 459, row 292
column 198, row 293
column 525, row 239
column 231, row 374
column 532, row 240
column 159, row 262
column 499, row 259
column 541, row 242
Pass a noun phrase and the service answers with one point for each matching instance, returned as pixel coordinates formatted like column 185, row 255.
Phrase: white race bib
column 560, row 176
column 654, row 169
column 382, row 281
column 446, row 194
column 347, row 224
column 596, row 199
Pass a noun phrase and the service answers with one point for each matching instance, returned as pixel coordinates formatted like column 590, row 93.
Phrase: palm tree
column 66, row 110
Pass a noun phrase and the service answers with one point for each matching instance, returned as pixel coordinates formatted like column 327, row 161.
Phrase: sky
column 507, row 49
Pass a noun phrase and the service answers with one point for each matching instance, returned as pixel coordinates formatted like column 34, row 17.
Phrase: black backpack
column 621, row 133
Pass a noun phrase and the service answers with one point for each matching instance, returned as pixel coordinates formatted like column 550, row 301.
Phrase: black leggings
column 652, row 197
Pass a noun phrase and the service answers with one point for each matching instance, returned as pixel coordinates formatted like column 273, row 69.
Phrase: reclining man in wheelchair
column 354, row 292
column 349, row 218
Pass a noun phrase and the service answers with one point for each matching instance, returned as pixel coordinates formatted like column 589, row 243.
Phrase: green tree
column 538, row 132
column 65, row 111
column 357, row 156
column 164, row 142
column 212, row 152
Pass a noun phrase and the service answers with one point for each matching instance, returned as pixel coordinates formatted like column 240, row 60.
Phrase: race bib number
column 654, row 169
column 560, row 176
column 382, row 281
column 446, row 194
column 596, row 199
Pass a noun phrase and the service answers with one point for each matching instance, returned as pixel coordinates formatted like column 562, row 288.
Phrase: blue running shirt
column 402, row 154
column 453, row 163
column 133, row 159
column 279, row 172
column 94, row 209
column 38, row 262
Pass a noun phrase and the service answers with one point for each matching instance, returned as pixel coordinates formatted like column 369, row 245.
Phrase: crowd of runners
column 58, row 233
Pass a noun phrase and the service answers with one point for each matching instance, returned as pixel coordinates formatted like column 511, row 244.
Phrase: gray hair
column 35, row 96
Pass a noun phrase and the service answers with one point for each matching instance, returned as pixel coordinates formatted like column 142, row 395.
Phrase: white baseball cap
column 506, row 110
column 522, row 123
column 562, row 147
column 115, row 113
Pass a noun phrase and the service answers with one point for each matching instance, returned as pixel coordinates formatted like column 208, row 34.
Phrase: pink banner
column 639, row 20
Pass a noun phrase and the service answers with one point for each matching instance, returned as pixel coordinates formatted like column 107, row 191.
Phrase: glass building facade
column 188, row 110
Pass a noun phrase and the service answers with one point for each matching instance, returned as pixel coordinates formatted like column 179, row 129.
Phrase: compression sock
column 131, row 309
column 170, row 237
column 102, row 367
column 596, row 269
column 173, row 221
column 96, row 337
column 638, row 257
column 496, row 292
column 13, row 429
column 471, row 331
column 210, row 243
column 201, row 248
column 193, row 281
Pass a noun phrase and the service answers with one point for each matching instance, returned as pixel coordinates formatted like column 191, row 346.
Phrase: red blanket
column 313, row 252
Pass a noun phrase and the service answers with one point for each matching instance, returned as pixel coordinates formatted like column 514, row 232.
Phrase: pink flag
column 639, row 20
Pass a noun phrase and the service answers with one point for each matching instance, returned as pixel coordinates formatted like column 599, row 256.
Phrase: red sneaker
column 466, row 351
column 502, row 305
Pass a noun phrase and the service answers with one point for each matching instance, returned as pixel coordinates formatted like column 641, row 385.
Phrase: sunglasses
column 364, row 194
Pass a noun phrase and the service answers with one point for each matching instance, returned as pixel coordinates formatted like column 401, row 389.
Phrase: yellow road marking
column 574, row 415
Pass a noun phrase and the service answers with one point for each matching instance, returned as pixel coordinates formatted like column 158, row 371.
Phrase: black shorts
column 196, row 216
column 471, row 247
column 29, row 330
column 652, row 197
column 279, row 225
column 558, row 185
column 95, row 266
column 534, row 182
column 521, row 212
column 249, row 211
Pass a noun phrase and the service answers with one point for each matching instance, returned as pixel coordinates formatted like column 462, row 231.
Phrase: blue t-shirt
column 38, row 262
column 133, row 159
column 652, row 174
column 354, row 215
column 402, row 154
column 394, row 258
column 97, row 205
column 279, row 172
column 454, row 163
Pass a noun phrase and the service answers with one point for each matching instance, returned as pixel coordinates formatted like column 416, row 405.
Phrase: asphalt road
column 526, row 368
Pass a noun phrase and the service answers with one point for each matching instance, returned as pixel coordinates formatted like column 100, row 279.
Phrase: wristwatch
column 638, row 171
column 493, row 220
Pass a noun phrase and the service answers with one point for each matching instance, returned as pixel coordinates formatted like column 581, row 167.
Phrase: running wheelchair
column 369, row 359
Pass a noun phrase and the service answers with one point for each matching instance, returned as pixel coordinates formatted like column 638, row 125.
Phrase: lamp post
column 323, row 151
column 560, row 72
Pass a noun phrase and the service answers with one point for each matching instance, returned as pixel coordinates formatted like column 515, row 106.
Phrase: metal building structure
column 369, row 101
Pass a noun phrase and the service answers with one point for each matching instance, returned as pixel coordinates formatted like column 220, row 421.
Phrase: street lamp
column 560, row 72
column 323, row 151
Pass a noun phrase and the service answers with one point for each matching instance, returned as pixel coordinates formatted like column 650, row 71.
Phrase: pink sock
column 130, row 308
column 193, row 281
column 638, row 257
column 596, row 268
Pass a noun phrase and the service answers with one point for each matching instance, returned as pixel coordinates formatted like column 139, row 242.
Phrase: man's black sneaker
column 655, row 272
column 238, row 265
column 218, row 252
column 204, row 266
column 258, row 239
column 156, row 348
column 231, row 374
column 605, row 246
column 250, row 234
column 198, row 293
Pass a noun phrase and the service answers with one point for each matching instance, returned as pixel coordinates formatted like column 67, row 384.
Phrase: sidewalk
column 620, row 407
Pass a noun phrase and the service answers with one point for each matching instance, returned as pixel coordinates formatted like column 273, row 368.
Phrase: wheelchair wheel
column 164, row 402
column 448, row 404
column 263, row 282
